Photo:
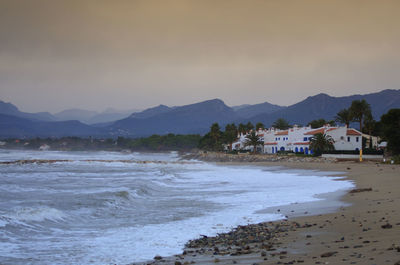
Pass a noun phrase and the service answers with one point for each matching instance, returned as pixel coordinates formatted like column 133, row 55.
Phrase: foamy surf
column 108, row 211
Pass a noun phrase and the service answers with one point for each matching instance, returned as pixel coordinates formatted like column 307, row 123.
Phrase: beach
column 366, row 231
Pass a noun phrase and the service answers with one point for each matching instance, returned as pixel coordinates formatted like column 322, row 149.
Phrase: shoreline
column 351, row 234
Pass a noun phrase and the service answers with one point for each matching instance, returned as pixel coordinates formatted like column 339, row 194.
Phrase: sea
column 119, row 208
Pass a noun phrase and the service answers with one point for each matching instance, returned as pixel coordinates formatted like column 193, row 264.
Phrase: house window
column 348, row 139
column 357, row 139
column 305, row 139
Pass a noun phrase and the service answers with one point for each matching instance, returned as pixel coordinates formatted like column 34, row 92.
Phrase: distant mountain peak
column 147, row 113
column 7, row 108
column 215, row 100
column 320, row 95
column 248, row 111
column 10, row 109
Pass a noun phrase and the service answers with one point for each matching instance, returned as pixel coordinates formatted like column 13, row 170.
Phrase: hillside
column 326, row 107
column 190, row 119
column 10, row 109
column 193, row 118
column 15, row 127
column 248, row 111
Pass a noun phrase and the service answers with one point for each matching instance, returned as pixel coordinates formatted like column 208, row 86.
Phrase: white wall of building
column 297, row 139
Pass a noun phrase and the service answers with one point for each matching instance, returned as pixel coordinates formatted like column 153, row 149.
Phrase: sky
column 134, row 54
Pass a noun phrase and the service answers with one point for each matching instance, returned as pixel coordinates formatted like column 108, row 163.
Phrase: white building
column 297, row 139
column 44, row 147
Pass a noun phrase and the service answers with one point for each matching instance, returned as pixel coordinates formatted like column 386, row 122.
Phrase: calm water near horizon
column 112, row 212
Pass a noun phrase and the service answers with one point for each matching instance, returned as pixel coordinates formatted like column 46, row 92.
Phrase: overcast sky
column 137, row 54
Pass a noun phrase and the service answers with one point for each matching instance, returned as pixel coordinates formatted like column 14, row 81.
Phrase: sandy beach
column 365, row 231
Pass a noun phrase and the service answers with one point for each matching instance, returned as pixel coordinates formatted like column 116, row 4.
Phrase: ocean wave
column 123, row 194
column 4, row 221
column 36, row 214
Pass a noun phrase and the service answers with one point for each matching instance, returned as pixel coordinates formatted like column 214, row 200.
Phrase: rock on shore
column 246, row 157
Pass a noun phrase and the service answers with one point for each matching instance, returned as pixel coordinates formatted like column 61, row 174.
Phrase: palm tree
column 358, row 110
column 321, row 142
column 344, row 117
column 249, row 126
column 369, row 125
column 391, row 130
column 281, row 124
column 215, row 134
column 230, row 134
column 259, row 125
column 317, row 123
column 252, row 139
column 242, row 128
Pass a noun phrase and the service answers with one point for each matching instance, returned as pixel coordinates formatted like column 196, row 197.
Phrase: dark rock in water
column 328, row 254
column 157, row 257
column 241, row 236
column 360, row 190
column 387, row 226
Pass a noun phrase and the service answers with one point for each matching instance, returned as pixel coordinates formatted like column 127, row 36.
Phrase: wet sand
column 364, row 231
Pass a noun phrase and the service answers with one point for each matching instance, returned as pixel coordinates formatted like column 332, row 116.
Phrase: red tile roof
column 282, row 133
column 352, row 132
column 331, row 129
column 302, row 143
column 270, row 143
column 322, row 130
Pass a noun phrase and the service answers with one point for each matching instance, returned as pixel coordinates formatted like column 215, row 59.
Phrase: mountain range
column 325, row 106
column 84, row 116
column 194, row 118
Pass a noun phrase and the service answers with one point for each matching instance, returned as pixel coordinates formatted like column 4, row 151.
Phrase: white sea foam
column 100, row 212
column 3, row 221
column 36, row 214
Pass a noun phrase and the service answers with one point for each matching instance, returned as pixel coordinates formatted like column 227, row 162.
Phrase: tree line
column 388, row 128
column 168, row 142
column 215, row 139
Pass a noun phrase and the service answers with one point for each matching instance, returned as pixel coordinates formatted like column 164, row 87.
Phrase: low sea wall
column 349, row 156
column 246, row 157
